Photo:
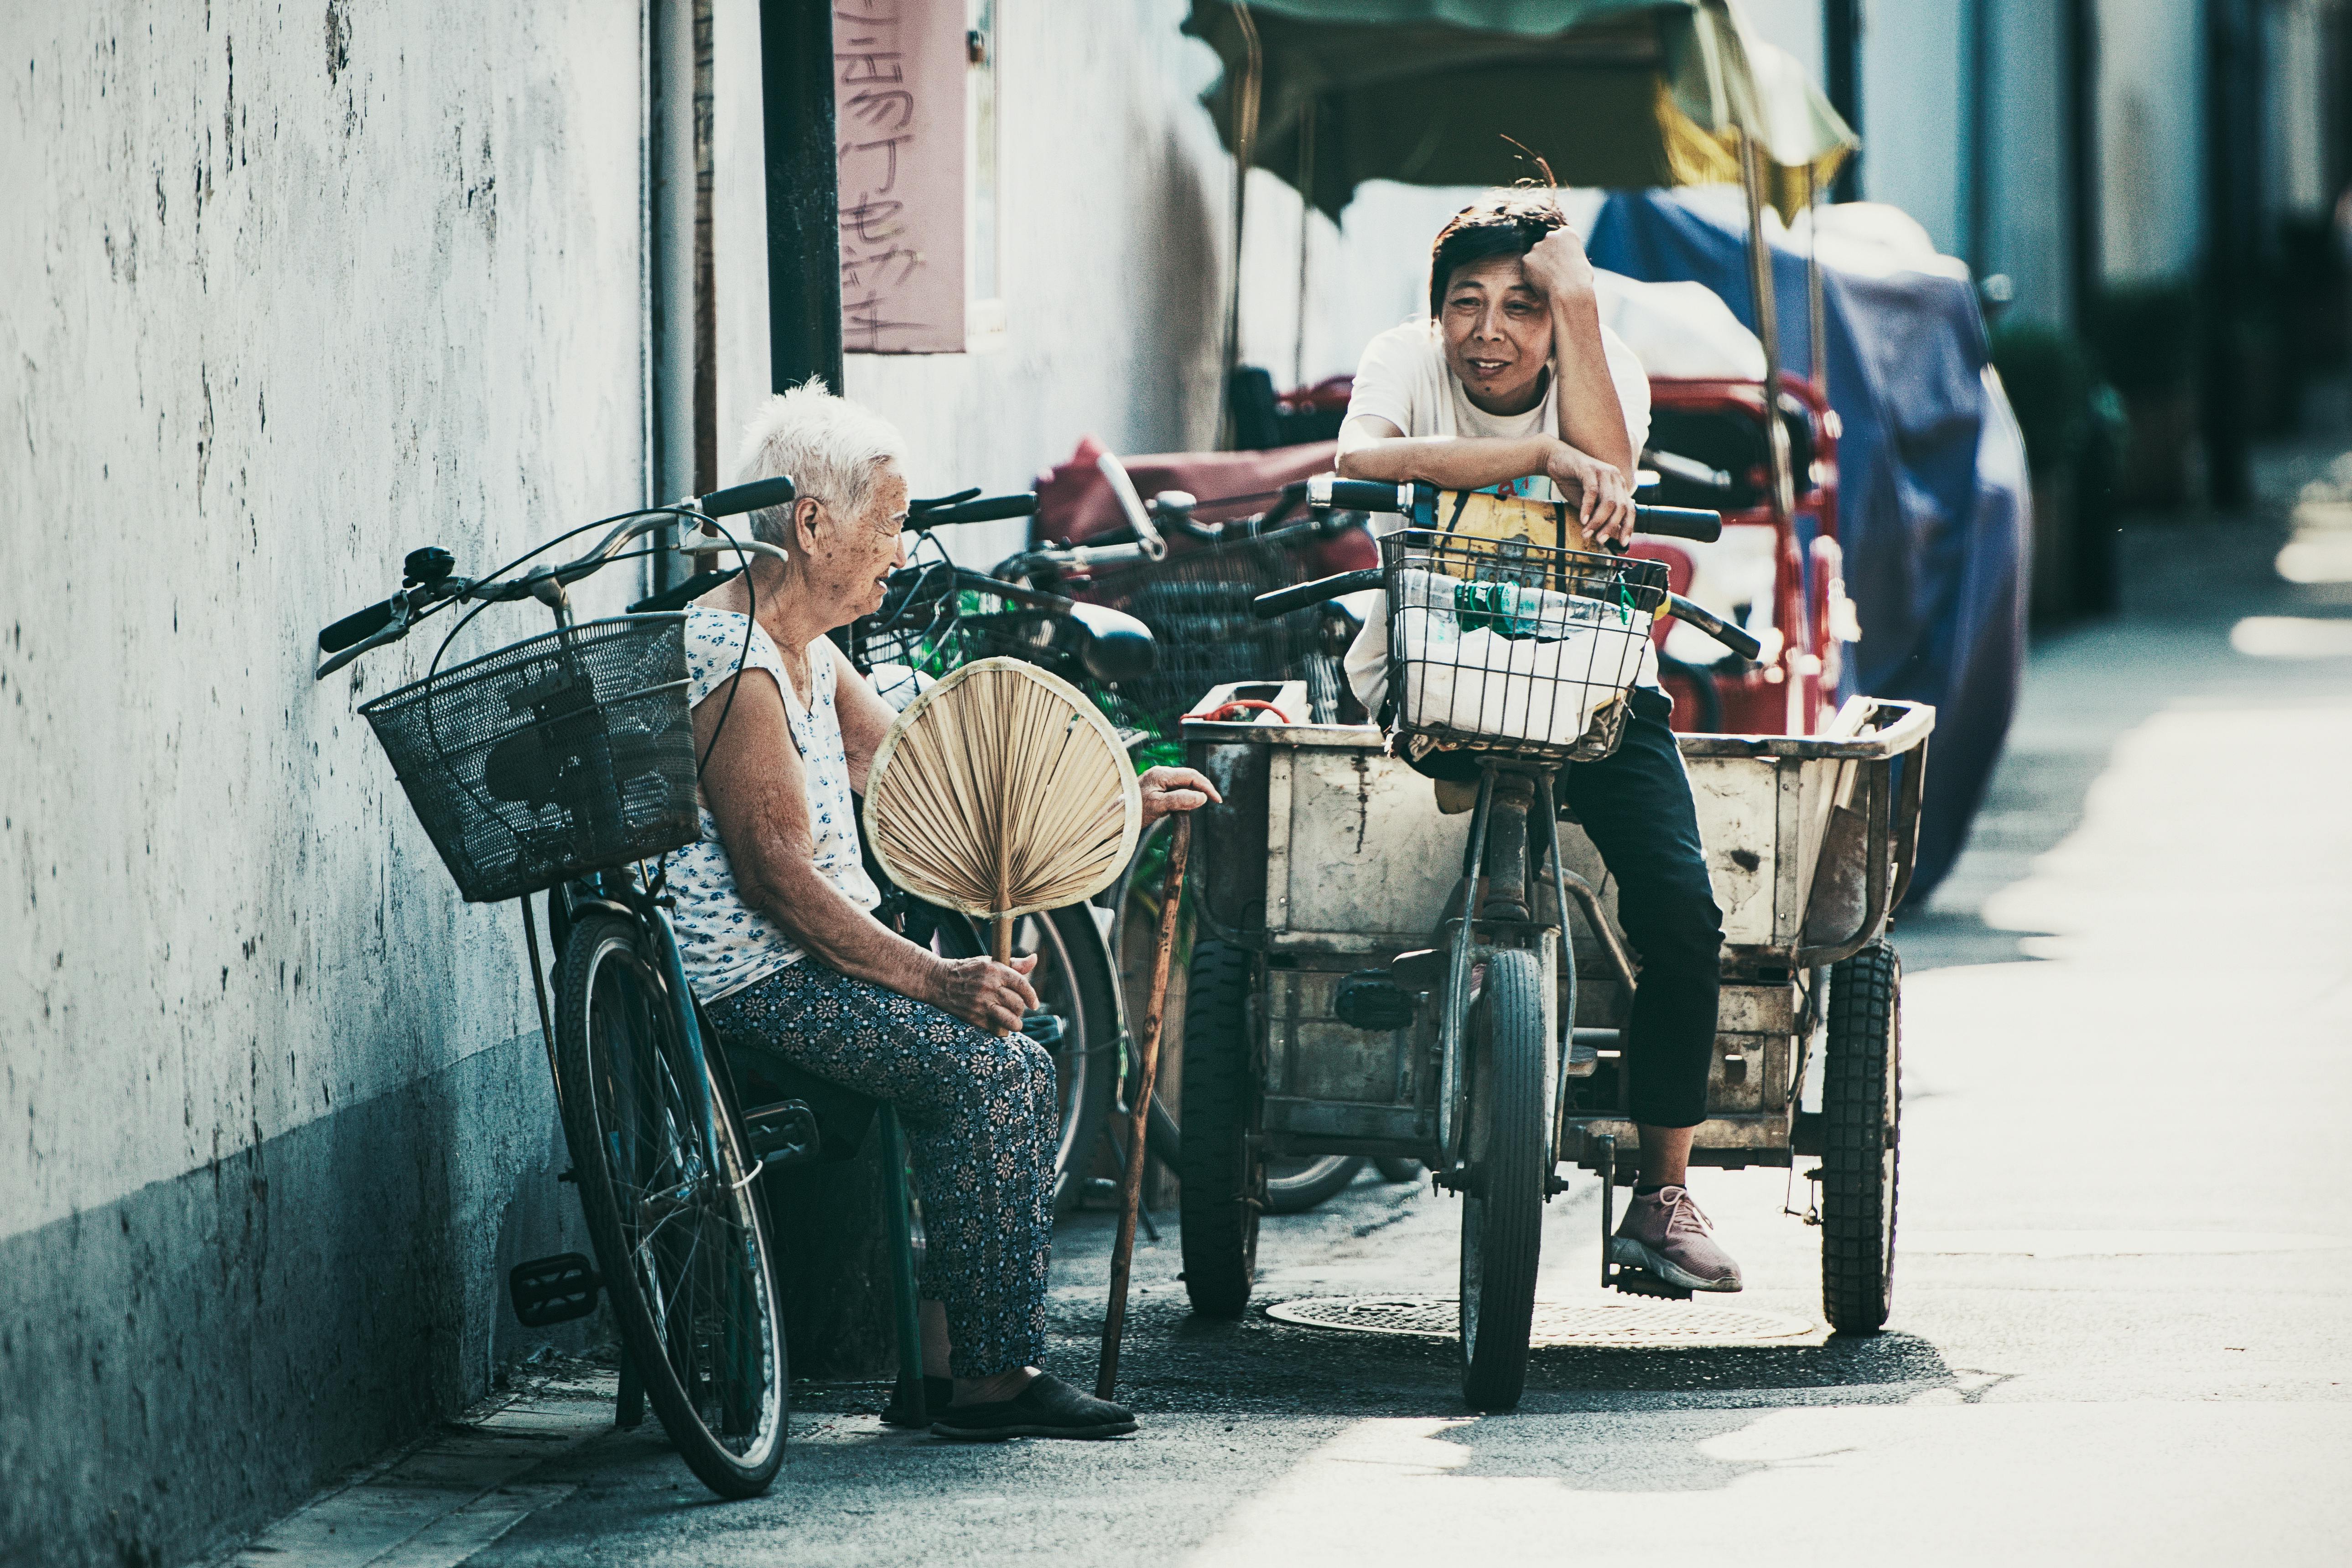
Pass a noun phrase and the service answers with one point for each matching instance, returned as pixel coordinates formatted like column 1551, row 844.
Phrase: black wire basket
column 1197, row 605
column 1499, row 645
column 567, row 753
column 933, row 621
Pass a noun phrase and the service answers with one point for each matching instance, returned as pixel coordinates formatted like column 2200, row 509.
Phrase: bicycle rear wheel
column 678, row 1239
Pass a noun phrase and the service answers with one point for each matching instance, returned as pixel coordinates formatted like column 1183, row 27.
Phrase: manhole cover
column 1628, row 1323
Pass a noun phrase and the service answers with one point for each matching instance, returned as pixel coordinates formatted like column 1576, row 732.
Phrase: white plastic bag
column 1573, row 656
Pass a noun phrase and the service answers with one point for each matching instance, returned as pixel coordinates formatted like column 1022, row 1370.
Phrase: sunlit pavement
column 2121, row 1330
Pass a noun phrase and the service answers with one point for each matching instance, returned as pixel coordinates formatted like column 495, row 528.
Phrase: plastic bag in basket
column 1515, row 663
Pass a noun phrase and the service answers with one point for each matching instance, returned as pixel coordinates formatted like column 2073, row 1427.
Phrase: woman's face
column 846, row 560
column 1497, row 332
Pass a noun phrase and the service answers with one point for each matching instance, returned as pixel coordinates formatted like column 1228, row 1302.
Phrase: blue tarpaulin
column 1932, row 507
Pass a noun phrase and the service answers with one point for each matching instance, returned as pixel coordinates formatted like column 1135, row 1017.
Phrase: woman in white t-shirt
column 1513, row 384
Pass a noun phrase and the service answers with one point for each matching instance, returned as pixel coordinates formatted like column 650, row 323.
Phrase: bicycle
column 1144, row 629
column 562, row 765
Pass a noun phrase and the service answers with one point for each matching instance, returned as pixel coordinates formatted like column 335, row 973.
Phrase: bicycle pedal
column 1583, row 1059
column 785, row 1133
column 550, row 1290
column 1641, row 1282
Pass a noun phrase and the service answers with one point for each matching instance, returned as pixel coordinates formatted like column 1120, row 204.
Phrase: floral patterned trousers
column 982, row 1122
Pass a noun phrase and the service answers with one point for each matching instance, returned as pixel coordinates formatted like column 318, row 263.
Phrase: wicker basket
column 567, row 753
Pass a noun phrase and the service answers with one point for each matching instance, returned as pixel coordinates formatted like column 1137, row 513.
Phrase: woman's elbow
column 1353, row 462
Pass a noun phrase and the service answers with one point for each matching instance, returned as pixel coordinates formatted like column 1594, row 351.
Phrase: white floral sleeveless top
column 726, row 943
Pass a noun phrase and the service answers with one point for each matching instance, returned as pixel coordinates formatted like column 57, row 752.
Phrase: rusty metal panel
column 1310, row 1054
column 1736, row 823
column 1756, row 1009
column 1362, row 847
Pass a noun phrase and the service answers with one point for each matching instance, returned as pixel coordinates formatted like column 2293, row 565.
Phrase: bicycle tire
column 1294, row 1186
column 1085, row 1061
column 1502, row 1209
column 1221, row 1175
column 1862, row 1118
column 700, row 1322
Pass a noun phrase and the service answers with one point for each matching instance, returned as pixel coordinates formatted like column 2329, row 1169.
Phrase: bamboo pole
column 1155, row 1012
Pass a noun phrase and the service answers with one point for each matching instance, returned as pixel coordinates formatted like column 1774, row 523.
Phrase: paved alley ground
column 2123, row 1323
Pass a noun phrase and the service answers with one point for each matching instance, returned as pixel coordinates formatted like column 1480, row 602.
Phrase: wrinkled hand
column 1602, row 494
column 1558, row 265
column 984, row 992
column 1167, row 790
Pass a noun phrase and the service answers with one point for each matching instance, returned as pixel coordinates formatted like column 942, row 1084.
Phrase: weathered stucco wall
column 288, row 291
column 1115, row 204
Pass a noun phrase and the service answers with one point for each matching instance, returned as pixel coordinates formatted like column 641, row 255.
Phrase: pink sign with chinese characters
column 898, row 99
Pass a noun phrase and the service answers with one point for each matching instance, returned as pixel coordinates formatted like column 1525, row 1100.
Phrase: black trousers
column 1635, row 806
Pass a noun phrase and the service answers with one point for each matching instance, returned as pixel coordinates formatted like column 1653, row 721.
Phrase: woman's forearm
column 1449, row 462
column 816, row 915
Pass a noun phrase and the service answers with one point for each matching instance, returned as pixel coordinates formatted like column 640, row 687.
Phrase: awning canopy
column 1619, row 93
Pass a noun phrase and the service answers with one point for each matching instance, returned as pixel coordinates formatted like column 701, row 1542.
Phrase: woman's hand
column 984, row 992
column 1558, row 265
column 1604, row 496
column 1167, row 790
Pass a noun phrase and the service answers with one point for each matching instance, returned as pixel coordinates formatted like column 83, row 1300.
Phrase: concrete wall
column 289, row 291
column 2151, row 130
column 1114, row 204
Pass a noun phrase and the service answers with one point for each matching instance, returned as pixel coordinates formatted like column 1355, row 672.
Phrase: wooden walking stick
column 1155, row 1012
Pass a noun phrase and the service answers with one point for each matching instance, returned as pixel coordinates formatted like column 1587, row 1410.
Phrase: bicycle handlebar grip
column 1325, row 491
column 358, row 626
column 1282, row 601
column 1694, row 523
column 986, row 510
column 757, row 496
column 1733, row 637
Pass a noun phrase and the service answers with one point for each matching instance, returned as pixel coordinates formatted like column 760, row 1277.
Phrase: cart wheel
column 1222, row 1174
column 1862, row 1113
column 1502, row 1201
column 1294, row 1186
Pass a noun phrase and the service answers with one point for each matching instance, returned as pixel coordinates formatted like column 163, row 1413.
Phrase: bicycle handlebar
column 1298, row 595
column 757, row 496
column 990, row 509
column 1325, row 491
column 1284, row 601
column 388, row 620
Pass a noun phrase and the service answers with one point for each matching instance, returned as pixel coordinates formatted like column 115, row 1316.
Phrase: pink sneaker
column 1666, row 1234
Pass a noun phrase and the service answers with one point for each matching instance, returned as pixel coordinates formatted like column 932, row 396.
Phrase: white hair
column 833, row 448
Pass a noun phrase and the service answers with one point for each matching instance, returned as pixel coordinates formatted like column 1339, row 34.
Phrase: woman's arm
column 864, row 720
column 757, row 790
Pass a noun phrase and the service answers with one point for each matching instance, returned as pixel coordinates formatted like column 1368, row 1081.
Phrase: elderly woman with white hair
column 774, row 914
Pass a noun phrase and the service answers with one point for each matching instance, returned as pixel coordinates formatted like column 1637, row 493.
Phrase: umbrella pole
column 1155, row 1011
column 1816, row 315
column 1768, row 326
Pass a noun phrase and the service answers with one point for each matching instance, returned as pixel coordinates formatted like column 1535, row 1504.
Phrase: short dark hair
column 1500, row 223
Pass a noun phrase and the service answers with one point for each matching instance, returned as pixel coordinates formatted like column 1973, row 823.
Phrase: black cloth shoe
column 1048, row 1407
column 937, row 1392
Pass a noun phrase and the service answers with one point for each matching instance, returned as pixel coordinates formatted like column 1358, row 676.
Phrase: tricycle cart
column 1373, row 976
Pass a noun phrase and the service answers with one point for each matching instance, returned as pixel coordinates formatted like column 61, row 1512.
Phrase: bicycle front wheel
column 666, row 1185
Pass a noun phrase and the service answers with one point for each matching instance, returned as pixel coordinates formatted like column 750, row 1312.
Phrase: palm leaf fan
column 1001, row 792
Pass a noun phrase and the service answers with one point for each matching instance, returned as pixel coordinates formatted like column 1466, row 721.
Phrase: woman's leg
column 981, row 1121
